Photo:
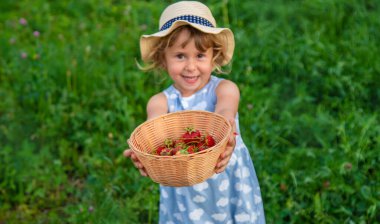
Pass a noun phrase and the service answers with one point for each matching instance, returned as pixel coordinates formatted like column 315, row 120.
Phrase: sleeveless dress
column 232, row 196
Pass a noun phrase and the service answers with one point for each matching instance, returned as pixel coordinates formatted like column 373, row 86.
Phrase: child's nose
column 191, row 65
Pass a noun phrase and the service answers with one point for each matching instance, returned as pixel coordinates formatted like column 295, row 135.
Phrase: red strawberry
column 176, row 149
column 201, row 143
column 209, row 140
column 191, row 135
column 202, row 147
column 166, row 152
column 159, row 150
column 191, row 149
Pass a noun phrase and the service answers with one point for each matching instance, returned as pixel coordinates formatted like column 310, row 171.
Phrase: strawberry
column 209, row 140
column 202, row 147
column 190, row 142
column 191, row 149
column 166, row 152
column 159, row 150
column 176, row 149
column 191, row 135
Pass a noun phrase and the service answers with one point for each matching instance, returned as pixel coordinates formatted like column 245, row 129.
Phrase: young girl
column 189, row 48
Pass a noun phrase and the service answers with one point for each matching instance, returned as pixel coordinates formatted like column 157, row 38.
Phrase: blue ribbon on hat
column 189, row 18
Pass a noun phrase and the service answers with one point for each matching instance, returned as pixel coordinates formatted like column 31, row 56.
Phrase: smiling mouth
column 190, row 77
column 191, row 80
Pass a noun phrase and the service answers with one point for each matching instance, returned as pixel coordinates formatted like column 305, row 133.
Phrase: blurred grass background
column 71, row 94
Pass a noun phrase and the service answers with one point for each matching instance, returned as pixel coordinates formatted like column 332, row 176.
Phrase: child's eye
column 201, row 55
column 180, row 56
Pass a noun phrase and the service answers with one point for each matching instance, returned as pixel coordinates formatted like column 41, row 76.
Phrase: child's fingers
column 222, row 165
column 224, row 159
column 229, row 149
column 141, row 168
column 143, row 172
column 226, row 155
column 233, row 125
column 232, row 140
column 127, row 153
column 136, row 162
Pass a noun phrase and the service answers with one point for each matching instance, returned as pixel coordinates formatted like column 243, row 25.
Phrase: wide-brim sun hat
column 191, row 13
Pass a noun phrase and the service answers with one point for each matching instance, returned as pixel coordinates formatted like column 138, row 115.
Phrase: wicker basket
column 179, row 170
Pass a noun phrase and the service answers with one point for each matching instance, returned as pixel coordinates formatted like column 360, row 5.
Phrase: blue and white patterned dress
column 232, row 196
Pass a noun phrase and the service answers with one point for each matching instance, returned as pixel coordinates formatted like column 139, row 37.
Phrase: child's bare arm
column 227, row 104
column 228, row 97
column 157, row 105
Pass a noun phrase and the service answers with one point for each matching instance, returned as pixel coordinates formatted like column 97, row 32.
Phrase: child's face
column 189, row 67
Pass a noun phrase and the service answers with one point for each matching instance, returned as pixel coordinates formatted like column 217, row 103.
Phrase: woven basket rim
column 174, row 114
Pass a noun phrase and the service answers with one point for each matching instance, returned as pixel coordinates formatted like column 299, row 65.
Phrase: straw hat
column 190, row 13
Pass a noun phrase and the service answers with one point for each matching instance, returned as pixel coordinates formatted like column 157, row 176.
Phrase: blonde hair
column 203, row 41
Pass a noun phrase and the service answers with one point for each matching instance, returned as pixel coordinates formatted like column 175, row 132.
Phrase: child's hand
column 226, row 155
column 136, row 162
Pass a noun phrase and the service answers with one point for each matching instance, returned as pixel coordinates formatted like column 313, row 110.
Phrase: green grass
column 309, row 75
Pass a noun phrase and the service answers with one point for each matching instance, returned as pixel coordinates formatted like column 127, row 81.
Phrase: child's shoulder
column 227, row 86
column 157, row 99
column 157, row 105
